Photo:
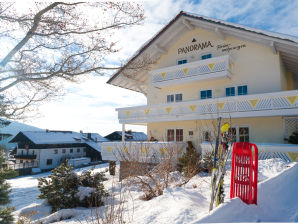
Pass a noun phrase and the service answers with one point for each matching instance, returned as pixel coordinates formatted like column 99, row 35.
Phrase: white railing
column 218, row 67
column 266, row 150
column 141, row 151
column 283, row 103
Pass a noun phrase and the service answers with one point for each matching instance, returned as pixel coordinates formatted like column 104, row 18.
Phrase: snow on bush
column 66, row 189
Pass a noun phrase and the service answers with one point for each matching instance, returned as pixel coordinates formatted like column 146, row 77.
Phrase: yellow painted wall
column 255, row 65
column 290, row 81
column 262, row 130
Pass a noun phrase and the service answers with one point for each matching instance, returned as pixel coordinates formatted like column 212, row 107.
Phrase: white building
column 48, row 149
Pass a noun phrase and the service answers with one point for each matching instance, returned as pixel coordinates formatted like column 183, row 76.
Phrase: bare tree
column 44, row 44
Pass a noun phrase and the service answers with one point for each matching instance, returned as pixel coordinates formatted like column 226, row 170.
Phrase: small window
column 206, row 136
column 178, row 97
column 49, row 161
column 170, row 98
column 242, row 90
column 22, row 152
column 206, row 94
column 206, row 56
column 85, row 150
column 179, row 135
column 170, row 135
column 63, row 150
column 55, row 151
column 33, row 152
column 71, row 150
column 21, row 161
column 230, row 91
column 243, row 134
column 78, row 149
column 183, row 61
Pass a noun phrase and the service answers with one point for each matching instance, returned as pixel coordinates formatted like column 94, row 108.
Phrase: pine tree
column 5, row 211
column 60, row 188
column 190, row 161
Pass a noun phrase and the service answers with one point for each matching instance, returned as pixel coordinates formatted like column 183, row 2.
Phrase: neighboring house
column 129, row 136
column 205, row 68
column 48, row 149
column 9, row 129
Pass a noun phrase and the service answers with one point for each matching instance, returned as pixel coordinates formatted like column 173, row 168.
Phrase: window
column 78, row 149
column 206, row 136
column 230, row 91
column 206, row 56
column 49, row 161
column 178, row 97
column 63, row 150
column 170, row 98
column 175, row 135
column 174, row 98
column 242, row 90
column 179, row 135
column 243, row 134
column 71, row 150
column 55, row 151
column 21, row 161
column 170, row 135
column 22, row 152
column 183, row 61
column 33, row 152
column 206, row 94
column 85, row 150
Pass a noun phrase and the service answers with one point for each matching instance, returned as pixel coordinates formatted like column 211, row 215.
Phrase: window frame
column 184, row 60
column 174, row 95
column 49, row 164
column 206, row 54
column 175, row 134
column 230, row 87
column 206, row 90
column 244, row 85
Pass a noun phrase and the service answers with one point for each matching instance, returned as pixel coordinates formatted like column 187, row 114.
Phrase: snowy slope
column 277, row 202
column 187, row 204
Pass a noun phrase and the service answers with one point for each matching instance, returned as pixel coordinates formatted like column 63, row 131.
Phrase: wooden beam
column 220, row 33
column 187, row 24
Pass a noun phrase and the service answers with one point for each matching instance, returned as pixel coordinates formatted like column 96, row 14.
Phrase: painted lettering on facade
column 194, row 47
column 229, row 47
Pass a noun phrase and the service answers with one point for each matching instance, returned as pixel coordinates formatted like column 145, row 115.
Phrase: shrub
column 190, row 161
column 294, row 138
column 66, row 189
column 208, row 159
column 112, row 168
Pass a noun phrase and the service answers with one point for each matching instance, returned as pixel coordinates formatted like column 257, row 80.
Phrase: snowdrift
column 277, row 202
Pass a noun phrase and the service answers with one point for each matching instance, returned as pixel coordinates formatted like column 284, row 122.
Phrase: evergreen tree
column 61, row 188
column 5, row 211
column 190, row 161
column 294, row 138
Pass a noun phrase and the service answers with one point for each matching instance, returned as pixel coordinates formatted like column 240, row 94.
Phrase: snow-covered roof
column 136, row 136
column 64, row 137
column 287, row 45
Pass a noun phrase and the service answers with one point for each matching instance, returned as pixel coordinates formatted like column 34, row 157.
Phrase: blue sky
column 90, row 106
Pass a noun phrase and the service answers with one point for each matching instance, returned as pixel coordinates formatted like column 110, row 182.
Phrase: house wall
column 262, row 130
column 254, row 65
column 44, row 154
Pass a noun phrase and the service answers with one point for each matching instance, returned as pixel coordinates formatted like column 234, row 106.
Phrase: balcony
column 30, row 157
column 213, row 68
column 283, row 103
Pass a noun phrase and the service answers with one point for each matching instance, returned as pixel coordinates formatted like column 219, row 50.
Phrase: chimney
column 89, row 136
column 81, row 131
column 47, row 130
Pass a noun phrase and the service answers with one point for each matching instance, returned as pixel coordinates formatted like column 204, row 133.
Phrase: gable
column 287, row 46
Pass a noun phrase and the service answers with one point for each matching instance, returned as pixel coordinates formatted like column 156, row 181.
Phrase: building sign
column 194, row 47
column 229, row 47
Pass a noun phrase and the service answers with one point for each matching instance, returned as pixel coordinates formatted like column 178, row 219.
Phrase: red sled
column 244, row 176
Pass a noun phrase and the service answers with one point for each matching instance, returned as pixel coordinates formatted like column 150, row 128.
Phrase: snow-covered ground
column 277, row 200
